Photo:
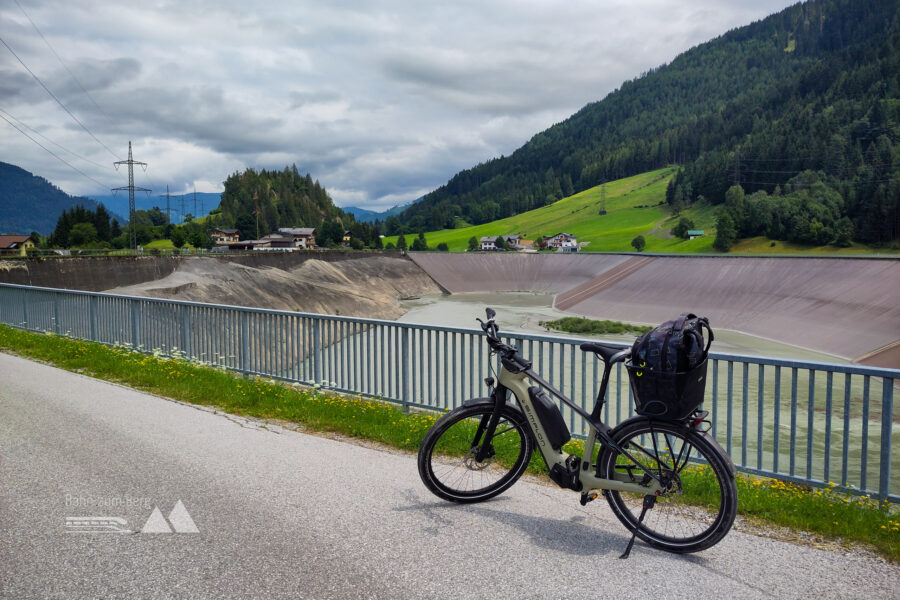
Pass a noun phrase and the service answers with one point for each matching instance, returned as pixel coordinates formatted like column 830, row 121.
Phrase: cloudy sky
column 382, row 101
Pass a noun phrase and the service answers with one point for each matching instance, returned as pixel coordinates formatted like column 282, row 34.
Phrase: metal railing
column 808, row 422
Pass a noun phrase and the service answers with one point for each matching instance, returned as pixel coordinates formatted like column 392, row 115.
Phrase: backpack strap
column 677, row 326
column 704, row 322
column 680, row 321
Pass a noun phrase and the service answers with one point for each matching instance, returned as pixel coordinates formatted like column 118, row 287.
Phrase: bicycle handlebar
column 508, row 354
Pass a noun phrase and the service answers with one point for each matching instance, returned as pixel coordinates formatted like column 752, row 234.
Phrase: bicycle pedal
column 588, row 497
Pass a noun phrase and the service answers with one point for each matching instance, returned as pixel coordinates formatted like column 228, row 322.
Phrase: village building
column 17, row 245
column 222, row 237
column 561, row 242
column 303, row 237
column 490, row 242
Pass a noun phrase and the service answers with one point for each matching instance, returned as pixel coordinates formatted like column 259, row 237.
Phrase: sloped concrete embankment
column 508, row 272
column 845, row 307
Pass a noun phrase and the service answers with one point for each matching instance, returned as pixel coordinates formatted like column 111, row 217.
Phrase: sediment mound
column 370, row 286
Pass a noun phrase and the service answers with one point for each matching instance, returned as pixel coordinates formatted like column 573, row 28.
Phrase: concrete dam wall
column 845, row 307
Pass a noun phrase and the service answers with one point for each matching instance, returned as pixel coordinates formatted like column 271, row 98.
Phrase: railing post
column 245, row 342
column 404, row 369
column 93, row 310
column 25, row 309
column 185, row 331
column 56, row 313
column 317, row 348
column 135, row 324
column 887, row 421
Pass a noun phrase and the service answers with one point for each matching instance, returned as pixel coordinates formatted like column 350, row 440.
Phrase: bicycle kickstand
column 649, row 501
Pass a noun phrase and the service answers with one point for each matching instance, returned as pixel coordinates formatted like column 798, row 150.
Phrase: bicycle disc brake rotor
column 472, row 464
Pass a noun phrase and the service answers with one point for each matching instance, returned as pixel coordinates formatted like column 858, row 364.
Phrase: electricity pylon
column 131, row 162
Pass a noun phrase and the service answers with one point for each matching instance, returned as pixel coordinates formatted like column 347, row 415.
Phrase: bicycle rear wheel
column 699, row 503
column 447, row 456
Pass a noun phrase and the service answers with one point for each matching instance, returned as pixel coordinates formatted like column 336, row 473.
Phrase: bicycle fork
column 486, row 429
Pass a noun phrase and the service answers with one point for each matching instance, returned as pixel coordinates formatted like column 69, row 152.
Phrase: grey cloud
column 375, row 98
column 97, row 75
column 303, row 98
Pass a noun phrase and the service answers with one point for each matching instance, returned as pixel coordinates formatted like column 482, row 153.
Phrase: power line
column 61, row 147
column 61, row 61
column 51, row 152
column 36, row 78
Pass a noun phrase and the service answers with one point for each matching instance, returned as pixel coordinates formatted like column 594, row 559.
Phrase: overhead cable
column 61, row 147
column 46, row 41
column 83, row 126
column 51, row 152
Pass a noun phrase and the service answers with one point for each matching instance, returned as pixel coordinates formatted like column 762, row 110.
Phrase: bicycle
column 641, row 466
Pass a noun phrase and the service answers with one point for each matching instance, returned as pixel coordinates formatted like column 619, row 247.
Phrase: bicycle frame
column 517, row 384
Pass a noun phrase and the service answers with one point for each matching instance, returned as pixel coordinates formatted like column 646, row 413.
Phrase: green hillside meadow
column 634, row 206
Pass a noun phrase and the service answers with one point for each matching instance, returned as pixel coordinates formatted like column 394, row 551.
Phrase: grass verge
column 827, row 513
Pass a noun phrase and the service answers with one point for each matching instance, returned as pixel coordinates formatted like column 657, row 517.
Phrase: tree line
column 255, row 202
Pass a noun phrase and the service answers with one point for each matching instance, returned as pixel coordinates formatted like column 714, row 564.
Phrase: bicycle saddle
column 605, row 352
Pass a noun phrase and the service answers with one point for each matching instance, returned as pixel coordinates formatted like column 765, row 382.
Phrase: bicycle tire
column 447, row 462
column 679, row 520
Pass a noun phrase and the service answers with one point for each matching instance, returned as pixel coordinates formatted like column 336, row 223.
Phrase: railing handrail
column 834, row 367
column 436, row 367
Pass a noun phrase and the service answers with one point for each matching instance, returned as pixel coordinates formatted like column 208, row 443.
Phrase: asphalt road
column 282, row 514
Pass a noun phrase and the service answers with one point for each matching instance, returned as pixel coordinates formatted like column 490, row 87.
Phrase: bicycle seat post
column 610, row 356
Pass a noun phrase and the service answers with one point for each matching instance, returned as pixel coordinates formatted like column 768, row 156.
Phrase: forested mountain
column 31, row 203
column 815, row 87
column 283, row 198
column 286, row 199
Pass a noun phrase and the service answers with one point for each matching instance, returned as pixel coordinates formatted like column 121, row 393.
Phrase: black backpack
column 675, row 346
column 667, row 368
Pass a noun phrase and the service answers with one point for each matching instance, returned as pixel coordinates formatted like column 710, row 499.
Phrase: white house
column 562, row 242
column 490, row 242
column 304, row 237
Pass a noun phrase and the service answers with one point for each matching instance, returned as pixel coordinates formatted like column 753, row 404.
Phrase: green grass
column 632, row 205
column 583, row 325
column 635, row 206
column 160, row 245
column 824, row 512
column 165, row 244
column 763, row 245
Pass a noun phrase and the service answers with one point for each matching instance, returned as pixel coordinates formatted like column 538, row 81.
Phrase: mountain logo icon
column 180, row 521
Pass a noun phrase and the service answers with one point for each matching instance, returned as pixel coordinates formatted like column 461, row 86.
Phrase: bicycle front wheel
column 698, row 504
column 448, row 462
